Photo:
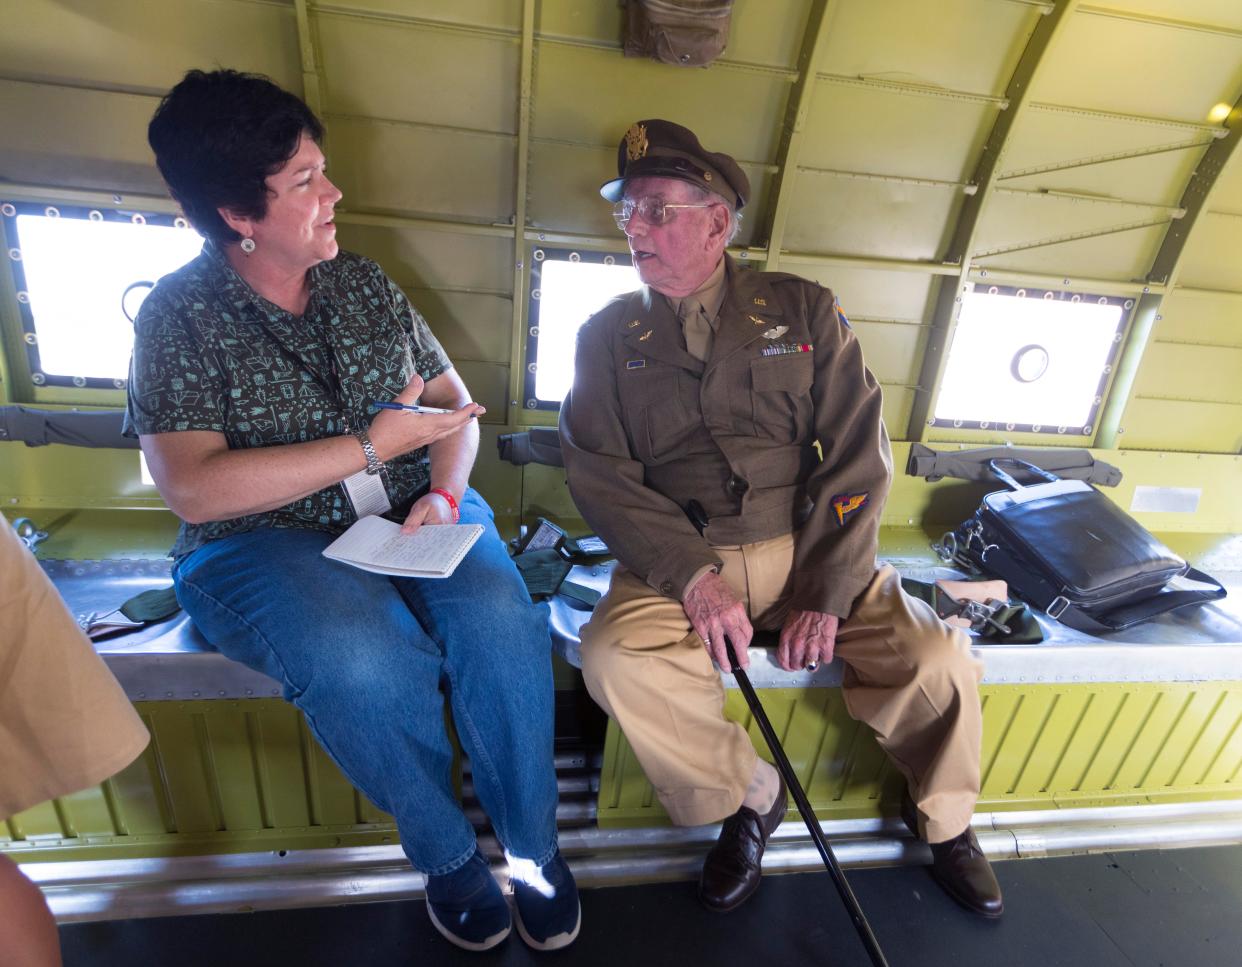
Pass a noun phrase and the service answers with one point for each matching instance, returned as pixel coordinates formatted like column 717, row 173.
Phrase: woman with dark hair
column 254, row 372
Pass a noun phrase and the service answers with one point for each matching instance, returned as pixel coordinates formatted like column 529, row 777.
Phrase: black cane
column 808, row 814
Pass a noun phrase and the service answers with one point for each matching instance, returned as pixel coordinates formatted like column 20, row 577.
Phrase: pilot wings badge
column 636, row 142
column 846, row 505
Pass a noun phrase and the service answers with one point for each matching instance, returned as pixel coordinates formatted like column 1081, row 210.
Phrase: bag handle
column 1009, row 481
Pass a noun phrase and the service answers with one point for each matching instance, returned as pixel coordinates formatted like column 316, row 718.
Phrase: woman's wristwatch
column 374, row 463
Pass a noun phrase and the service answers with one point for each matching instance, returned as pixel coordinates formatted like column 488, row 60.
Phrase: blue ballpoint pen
column 409, row 407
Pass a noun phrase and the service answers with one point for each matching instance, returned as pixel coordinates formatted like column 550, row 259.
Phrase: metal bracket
column 29, row 533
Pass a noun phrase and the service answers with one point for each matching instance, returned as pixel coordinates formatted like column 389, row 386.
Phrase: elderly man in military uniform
column 725, row 438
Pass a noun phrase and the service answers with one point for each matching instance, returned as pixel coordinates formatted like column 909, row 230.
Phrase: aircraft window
column 80, row 276
column 1030, row 360
column 565, row 289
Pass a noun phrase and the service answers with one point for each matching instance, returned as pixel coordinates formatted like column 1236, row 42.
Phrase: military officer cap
column 662, row 149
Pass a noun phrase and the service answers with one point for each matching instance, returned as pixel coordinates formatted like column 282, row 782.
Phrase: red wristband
column 452, row 502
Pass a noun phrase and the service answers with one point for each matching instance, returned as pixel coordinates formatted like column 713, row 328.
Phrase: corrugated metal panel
column 1211, row 257
column 848, row 216
column 501, row 15
column 114, row 124
column 923, row 42
column 1136, row 68
column 592, row 95
column 1207, row 373
column 218, row 776
column 1188, row 425
column 398, row 168
column 1043, row 747
column 1207, row 320
column 884, row 132
column 1226, row 13
column 461, row 80
column 135, row 45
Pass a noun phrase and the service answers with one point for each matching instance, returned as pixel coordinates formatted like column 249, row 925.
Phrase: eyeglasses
column 653, row 210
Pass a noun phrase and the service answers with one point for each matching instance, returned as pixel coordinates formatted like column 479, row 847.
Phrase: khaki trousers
column 908, row 675
column 65, row 723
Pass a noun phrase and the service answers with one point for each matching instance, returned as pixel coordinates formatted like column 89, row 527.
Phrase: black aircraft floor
column 1173, row 908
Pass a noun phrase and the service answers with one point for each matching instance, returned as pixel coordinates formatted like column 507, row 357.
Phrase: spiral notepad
column 376, row 544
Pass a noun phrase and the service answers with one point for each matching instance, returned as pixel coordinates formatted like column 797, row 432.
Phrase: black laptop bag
column 1065, row 548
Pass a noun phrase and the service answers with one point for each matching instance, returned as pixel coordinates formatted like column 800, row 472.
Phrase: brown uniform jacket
column 647, row 428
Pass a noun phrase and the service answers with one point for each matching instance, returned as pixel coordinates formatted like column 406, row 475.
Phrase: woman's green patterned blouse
column 212, row 354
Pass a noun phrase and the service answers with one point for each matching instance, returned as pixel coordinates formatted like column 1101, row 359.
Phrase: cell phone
column 545, row 534
column 592, row 545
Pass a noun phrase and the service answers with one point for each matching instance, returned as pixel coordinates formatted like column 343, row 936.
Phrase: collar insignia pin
column 633, row 325
column 757, row 321
column 646, row 335
column 760, row 301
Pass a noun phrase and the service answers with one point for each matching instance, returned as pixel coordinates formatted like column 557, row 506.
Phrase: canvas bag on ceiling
column 687, row 33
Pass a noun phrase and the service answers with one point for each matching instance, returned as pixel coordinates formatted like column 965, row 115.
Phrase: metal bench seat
column 172, row 660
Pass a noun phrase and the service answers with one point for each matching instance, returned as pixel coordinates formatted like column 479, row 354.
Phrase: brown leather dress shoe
column 732, row 868
column 959, row 866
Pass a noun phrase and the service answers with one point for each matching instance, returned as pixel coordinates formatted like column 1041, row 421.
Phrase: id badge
column 367, row 494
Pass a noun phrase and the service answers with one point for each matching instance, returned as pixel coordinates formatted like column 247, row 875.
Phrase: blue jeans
column 369, row 660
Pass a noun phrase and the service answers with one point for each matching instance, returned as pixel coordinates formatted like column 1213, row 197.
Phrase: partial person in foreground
column 65, row 725
column 689, row 440
column 255, row 372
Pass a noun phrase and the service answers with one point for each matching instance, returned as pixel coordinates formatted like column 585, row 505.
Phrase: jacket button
column 737, row 486
column 667, row 588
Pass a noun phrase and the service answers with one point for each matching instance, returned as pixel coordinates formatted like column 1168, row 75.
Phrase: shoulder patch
column 846, row 505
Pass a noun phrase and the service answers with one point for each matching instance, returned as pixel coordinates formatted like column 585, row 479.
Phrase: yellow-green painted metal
column 425, row 103
column 88, row 498
column 521, row 257
column 1044, row 747
column 219, row 776
column 962, row 247
column 1195, row 202
column 813, row 42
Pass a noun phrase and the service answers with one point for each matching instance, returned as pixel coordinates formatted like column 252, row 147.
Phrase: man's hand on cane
column 715, row 611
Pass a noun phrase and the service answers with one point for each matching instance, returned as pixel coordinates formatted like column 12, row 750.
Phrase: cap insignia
column 707, row 176
column 636, row 142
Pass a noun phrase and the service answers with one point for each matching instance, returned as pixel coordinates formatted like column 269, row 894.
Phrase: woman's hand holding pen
column 395, row 432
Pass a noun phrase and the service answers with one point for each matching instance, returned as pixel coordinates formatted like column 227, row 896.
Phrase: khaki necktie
column 697, row 329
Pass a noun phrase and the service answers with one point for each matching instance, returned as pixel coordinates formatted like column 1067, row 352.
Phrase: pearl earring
column 247, row 245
